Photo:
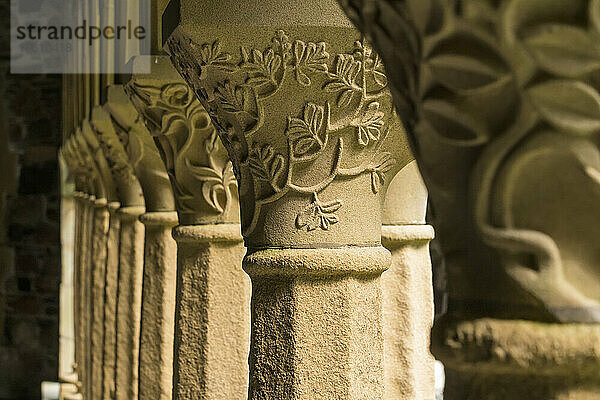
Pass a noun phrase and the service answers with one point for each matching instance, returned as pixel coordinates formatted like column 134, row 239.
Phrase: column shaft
column 110, row 304
column 408, row 313
column 316, row 323
column 79, row 228
column 85, row 298
column 66, row 357
column 212, row 330
column 98, row 278
column 131, row 261
column 158, row 306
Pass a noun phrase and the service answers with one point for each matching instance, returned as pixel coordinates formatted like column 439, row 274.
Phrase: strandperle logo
column 81, row 32
column 79, row 36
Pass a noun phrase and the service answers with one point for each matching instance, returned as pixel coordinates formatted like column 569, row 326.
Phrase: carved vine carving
column 140, row 149
column 197, row 164
column 491, row 77
column 234, row 92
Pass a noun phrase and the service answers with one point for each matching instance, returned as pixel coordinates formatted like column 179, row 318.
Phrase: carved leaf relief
column 266, row 165
column 309, row 58
column 343, row 79
column 370, row 125
column 307, row 135
column 570, row 106
column 262, row 67
column 211, row 54
column 382, row 164
column 318, row 215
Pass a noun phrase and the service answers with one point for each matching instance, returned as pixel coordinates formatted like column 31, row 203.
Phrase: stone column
column 212, row 317
column 110, row 303
column 308, row 123
column 160, row 250
column 99, row 249
column 496, row 100
column 158, row 306
column 407, row 290
column 69, row 229
column 131, row 261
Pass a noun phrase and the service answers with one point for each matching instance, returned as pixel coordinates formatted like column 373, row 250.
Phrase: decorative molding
column 200, row 171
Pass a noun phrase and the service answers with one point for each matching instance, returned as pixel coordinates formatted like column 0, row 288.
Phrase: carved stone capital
column 107, row 141
column 92, row 174
column 141, row 151
column 201, row 174
column 76, row 169
column 308, row 122
column 301, row 104
column 501, row 102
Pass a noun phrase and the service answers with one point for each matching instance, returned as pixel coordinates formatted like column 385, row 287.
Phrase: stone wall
column 29, row 233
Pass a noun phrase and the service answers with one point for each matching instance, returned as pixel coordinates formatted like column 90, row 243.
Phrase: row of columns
column 170, row 184
column 340, row 301
column 162, row 305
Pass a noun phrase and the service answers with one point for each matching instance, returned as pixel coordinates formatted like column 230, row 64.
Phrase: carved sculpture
column 507, row 102
column 343, row 111
column 301, row 104
column 200, row 172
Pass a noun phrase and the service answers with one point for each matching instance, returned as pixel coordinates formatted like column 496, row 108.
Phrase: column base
column 491, row 359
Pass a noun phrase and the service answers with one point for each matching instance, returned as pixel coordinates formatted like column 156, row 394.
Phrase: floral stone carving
column 127, row 185
column 309, row 125
column 500, row 100
column 200, row 171
column 141, row 151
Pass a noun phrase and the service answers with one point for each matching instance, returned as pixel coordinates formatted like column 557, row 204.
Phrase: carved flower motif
column 318, row 215
column 308, row 135
column 370, row 124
